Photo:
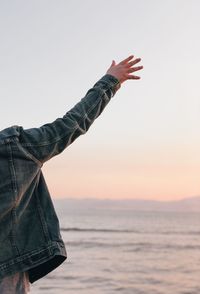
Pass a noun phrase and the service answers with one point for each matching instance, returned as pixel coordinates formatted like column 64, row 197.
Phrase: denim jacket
column 30, row 238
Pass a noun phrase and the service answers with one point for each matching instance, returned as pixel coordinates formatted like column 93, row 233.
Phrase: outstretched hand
column 122, row 71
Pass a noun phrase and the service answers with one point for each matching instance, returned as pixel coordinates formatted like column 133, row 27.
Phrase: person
column 31, row 245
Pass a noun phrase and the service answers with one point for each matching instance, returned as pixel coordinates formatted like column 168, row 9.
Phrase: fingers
column 122, row 71
column 136, row 68
column 131, row 68
column 113, row 63
column 133, row 62
column 127, row 59
column 132, row 77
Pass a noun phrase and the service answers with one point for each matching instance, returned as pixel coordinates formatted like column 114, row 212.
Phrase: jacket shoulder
column 12, row 131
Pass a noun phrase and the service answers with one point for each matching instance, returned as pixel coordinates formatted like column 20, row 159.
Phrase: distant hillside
column 187, row 204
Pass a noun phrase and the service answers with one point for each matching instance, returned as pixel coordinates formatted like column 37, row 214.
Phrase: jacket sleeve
column 52, row 138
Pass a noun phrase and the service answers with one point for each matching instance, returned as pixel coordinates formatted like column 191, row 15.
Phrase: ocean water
column 126, row 251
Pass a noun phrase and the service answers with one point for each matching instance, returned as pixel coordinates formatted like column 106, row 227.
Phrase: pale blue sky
column 51, row 53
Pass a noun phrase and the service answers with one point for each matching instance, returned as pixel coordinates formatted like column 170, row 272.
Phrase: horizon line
column 125, row 199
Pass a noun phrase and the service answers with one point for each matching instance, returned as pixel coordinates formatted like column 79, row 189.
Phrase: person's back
column 31, row 245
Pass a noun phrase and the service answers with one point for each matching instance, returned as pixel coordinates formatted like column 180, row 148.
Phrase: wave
column 97, row 230
column 101, row 244
column 103, row 230
column 133, row 246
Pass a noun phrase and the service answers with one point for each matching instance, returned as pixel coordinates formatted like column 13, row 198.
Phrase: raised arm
column 52, row 138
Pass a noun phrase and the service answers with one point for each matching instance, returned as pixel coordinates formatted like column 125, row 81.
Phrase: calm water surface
column 127, row 252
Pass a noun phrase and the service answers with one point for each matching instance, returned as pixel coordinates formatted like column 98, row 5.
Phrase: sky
column 146, row 143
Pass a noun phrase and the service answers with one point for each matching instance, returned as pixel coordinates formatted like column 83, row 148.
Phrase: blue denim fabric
column 30, row 238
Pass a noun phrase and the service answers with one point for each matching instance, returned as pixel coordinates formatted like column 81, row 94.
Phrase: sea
column 122, row 250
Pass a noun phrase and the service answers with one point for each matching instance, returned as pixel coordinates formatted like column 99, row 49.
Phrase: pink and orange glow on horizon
column 129, row 179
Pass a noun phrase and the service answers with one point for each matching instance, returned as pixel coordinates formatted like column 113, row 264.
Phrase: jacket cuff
column 109, row 81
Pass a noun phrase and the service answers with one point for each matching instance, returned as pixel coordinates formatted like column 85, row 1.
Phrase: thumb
column 113, row 63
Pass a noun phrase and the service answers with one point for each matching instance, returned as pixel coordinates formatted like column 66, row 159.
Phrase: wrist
column 116, row 81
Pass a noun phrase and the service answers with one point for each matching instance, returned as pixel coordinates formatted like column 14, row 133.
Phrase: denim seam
column 19, row 259
column 42, row 219
column 12, row 236
column 28, row 154
column 12, row 170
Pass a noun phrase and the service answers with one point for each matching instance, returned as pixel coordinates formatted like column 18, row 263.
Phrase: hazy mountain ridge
column 187, row 204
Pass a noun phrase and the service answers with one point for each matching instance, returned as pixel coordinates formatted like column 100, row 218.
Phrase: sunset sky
column 146, row 144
